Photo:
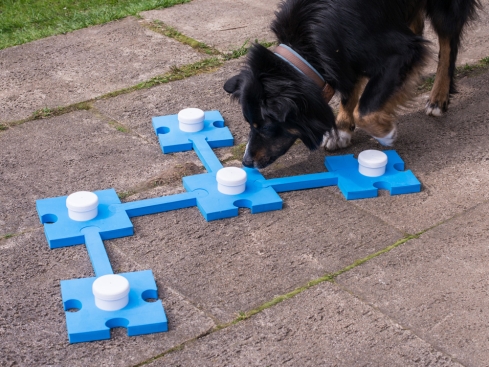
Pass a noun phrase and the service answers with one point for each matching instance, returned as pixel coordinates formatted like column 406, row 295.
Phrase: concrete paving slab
column 323, row 326
column 204, row 91
column 73, row 152
column 62, row 70
column 33, row 324
column 436, row 286
column 447, row 154
column 223, row 24
column 236, row 264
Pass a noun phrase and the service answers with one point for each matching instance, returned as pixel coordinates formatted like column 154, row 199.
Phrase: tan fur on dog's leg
column 417, row 25
column 345, row 121
column 440, row 93
column 380, row 124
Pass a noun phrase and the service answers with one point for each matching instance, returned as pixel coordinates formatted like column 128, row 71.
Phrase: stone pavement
column 390, row 281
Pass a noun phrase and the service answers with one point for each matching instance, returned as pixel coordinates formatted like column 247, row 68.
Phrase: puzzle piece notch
column 90, row 323
column 173, row 140
column 217, row 205
column 62, row 231
column 354, row 185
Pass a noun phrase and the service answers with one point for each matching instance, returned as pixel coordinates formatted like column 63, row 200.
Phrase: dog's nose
column 248, row 162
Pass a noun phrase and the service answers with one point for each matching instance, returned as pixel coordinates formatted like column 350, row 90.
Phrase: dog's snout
column 248, row 163
column 247, row 159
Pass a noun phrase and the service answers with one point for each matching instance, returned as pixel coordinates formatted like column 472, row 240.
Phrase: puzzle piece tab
column 172, row 139
column 302, row 182
column 216, row 205
column 354, row 185
column 96, row 251
column 91, row 323
column 62, row 231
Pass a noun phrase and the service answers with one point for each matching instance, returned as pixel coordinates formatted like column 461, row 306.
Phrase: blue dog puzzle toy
column 354, row 185
column 90, row 218
column 90, row 323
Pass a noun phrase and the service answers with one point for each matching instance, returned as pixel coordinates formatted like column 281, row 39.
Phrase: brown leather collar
column 303, row 66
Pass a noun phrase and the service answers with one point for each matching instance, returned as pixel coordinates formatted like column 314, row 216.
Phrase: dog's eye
column 255, row 125
column 268, row 130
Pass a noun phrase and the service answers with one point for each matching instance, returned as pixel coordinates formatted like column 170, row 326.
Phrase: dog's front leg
column 345, row 121
column 391, row 87
column 440, row 94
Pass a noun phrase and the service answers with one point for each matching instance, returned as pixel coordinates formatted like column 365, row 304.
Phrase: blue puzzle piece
column 354, row 185
column 62, row 231
column 91, row 323
column 216, row 205
column 172, row 139
column 302, row 182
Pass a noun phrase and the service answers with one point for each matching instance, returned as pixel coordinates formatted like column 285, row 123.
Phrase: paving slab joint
column 176, row 348
column 242, row 316
column 440, row 350
column 6, row 236
column 159, row 27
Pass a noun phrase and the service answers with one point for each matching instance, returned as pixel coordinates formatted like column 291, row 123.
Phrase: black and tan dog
column 371, row 52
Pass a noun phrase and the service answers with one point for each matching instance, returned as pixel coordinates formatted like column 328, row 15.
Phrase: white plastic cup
column 372, row 163
column 231, row 180
column 111, row 292
column 82, row 206
column 191, row 120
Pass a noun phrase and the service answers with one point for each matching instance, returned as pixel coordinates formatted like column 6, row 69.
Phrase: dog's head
column 280, row 104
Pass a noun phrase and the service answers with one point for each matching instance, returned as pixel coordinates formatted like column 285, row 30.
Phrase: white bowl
column 372, row 163
column 82, row 206
column 231, row 180
column 191, row 120
column 111, row 292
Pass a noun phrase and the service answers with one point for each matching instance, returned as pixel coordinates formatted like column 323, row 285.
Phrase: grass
column 461, row 71
column 176, row 73
column 243, row 50
column 23, row 21
column 119, row 127
column 58, row 111
column 237, row 152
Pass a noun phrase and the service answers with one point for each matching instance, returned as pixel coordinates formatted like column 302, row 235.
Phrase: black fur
column 344, row 40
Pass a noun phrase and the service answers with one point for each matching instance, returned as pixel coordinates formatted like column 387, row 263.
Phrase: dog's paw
column 436, row 109
column 389, row 139
column 333, row 140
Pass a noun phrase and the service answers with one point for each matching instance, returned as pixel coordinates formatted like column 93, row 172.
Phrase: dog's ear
column 233, row 84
